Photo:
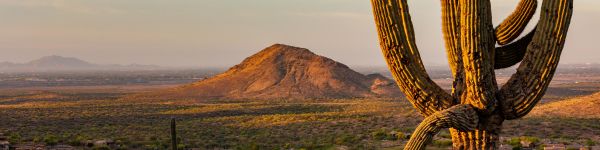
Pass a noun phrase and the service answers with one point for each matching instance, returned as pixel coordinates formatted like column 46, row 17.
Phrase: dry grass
column 579, row 107
column 267, row 124
column 226, row 124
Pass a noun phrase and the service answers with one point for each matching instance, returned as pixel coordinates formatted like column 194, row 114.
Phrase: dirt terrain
column 74, row 115
column 98, row 107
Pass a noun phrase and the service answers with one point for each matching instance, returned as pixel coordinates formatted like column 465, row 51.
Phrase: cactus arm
column 527, row 86
column 477, row 53
column 398, row 45
column 451, row 29
column 514, row 25
column 511, row 54
column 461, row 117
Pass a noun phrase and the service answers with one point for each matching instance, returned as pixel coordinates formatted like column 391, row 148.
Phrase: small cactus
column 173, row 134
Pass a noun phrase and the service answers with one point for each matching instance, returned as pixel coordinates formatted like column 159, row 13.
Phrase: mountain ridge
column 61, row 63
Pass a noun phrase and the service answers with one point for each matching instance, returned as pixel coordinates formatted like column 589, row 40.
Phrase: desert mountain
column 60, row 63
column 282, row 71
column 579, row 107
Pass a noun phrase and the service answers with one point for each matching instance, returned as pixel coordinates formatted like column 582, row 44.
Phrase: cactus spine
column 476, row 108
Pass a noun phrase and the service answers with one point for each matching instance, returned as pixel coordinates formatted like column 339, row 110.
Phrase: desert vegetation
column 66, row 117
column 222, row 124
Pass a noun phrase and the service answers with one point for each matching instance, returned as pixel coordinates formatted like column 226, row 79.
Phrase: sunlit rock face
column 284, row 72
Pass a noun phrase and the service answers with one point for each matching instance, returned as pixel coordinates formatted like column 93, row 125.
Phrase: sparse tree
column 476, row 107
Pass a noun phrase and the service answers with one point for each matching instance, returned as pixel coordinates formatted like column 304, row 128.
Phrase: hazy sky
column 205, row 33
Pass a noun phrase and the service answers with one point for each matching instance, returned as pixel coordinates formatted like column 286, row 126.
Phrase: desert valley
column 282, row 97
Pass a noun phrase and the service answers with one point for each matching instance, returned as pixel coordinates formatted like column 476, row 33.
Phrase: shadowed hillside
column 281, row 72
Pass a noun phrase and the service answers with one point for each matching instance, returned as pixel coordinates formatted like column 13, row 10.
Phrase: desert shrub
column 135, row 145
column 122, row 148
column 540, row 147
column 50, row 140
column 444, row 134
column 442, row 143
column 514, row 142
column 568, row 137
column 402, row 136
column 14, row 138
column 152, row 147
column 181, row 146
column 248, row 146
column 37, row 139
column 76, row 141
column 517, row 148
column 104, row 147
column 379, row 134
column 156, row 145
column 383, row 134
column 407, row 129
column 530, row 139
column 318, row 147
column 390, row 137
column 393, row 136
column 346, row 139
column 590, row 142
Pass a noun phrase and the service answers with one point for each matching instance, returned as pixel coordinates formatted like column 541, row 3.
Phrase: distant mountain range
column 60, row 63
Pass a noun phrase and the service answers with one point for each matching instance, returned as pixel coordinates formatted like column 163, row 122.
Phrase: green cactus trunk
column 476, row 108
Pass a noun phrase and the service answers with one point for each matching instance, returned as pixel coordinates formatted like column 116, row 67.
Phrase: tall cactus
column 476, row 107
column 173, row 134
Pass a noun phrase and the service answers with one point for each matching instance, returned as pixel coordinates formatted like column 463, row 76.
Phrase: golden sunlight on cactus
column 476, row 108
column 512, row 26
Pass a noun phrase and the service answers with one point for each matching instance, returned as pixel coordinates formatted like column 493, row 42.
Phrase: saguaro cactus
column 476, row 107
column 173, row 134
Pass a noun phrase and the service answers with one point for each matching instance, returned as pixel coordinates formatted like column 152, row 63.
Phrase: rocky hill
column 282, row 72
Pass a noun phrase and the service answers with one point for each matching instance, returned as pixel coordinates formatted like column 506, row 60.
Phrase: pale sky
column 221, row 33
